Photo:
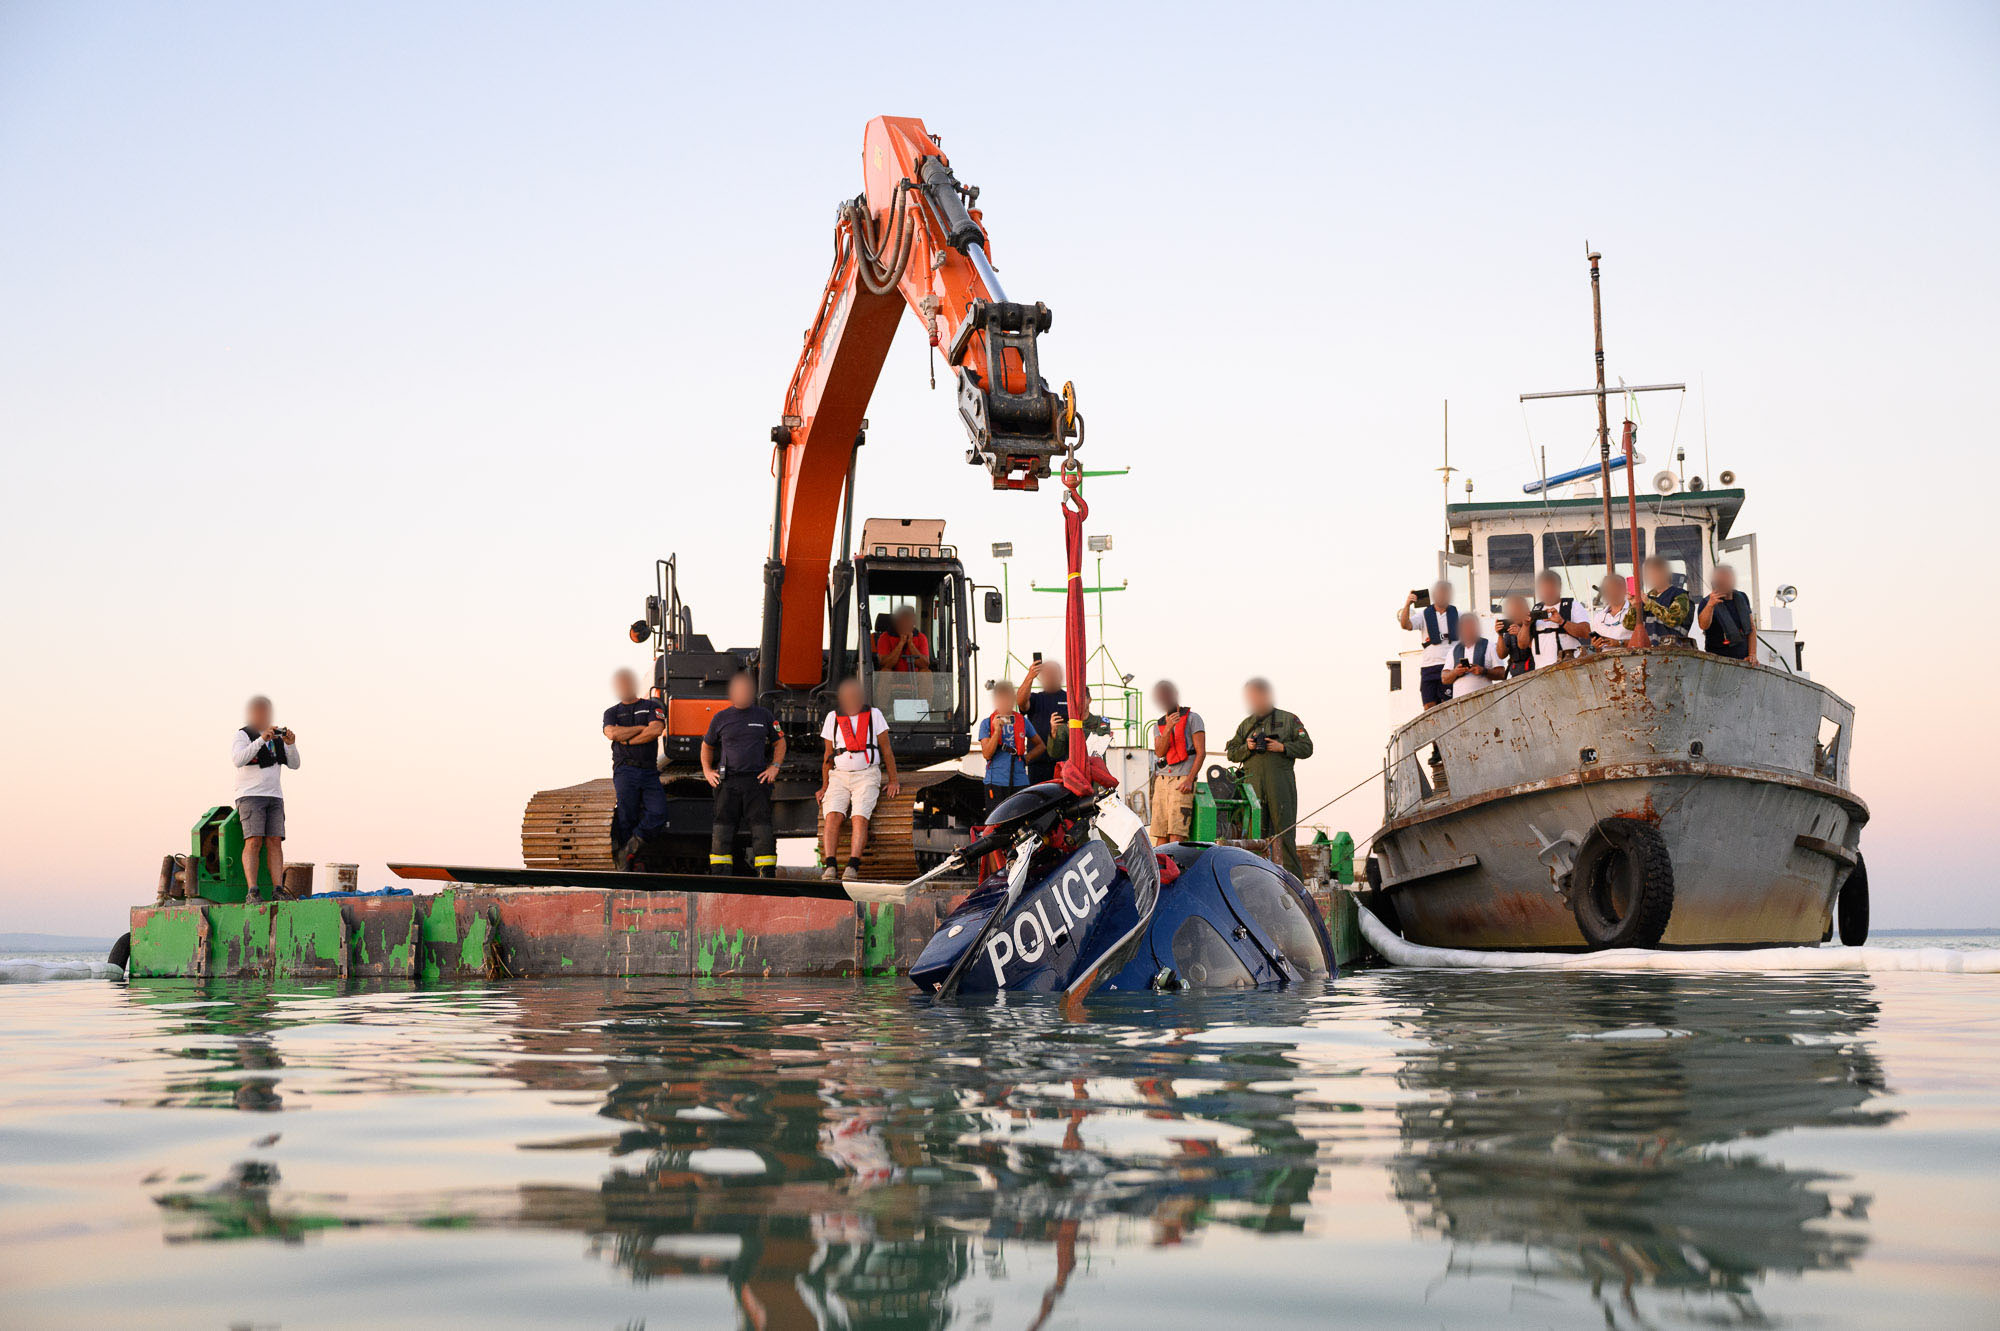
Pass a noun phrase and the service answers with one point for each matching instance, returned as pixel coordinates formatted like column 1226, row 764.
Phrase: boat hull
column 1740, row 769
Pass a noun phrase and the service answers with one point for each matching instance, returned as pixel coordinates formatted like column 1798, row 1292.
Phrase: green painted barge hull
column 491, row 933
column 466, row 932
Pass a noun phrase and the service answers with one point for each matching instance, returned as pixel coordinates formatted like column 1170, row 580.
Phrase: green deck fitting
column 306, row 937
column 168, row 943
column 878, row 941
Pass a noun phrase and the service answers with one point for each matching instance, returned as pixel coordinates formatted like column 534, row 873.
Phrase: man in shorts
column 855, row 771
column 261, row 752
column 1180, row 745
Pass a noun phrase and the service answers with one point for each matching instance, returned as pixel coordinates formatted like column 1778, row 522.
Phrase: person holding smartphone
column 1045, row 702
column 1432, row 616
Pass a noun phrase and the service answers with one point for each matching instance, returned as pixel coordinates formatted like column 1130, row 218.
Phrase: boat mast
column 1604, row 431
column 1604, row 421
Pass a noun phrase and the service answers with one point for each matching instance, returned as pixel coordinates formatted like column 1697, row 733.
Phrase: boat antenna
column 1706, row 461
column 1447, row 469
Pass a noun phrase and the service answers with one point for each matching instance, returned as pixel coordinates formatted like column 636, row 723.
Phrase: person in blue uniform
column 740, row 758
column 634, row 726
column 1045, row 702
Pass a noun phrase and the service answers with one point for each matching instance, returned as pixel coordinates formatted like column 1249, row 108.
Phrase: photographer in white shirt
column 260, row 752
column 1607, row 622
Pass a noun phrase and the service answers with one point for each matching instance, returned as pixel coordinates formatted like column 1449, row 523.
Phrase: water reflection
column 1595, row 1127
column 846, row 1156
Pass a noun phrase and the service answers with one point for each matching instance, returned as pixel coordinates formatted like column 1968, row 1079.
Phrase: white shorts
column 853, row 792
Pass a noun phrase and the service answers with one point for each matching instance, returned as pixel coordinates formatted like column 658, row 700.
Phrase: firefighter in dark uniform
column 1267, row 744
column 634, row 726
column 740, row 758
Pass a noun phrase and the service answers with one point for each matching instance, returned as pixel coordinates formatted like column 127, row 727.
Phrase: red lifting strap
column 1080, row 771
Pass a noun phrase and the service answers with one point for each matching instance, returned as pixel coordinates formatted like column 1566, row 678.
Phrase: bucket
column 298, row 882
column 343, row 877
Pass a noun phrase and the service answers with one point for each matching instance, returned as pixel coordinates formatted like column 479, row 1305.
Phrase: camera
column 1423, row 595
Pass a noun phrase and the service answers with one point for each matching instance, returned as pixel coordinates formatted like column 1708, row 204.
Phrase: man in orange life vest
column 856, row 770
column 1008, row 741
column 1180, row 745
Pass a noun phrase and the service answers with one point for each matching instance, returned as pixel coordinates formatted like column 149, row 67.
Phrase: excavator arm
column 913, row 239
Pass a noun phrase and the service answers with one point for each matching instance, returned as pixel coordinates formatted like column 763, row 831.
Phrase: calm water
column 1414, row 1149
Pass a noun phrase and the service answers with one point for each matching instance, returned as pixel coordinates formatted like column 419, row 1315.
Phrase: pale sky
column 368, row 355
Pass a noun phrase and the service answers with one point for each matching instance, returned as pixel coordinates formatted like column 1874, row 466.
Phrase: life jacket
column 863, row 733
column 1518, row 662
column 271, row 754
column 1177, row 739
column 1565, row 606
column 1017, row 728
column 1481, row 656
column 1431, row 635
column 1657, row 629
column 1728, row 633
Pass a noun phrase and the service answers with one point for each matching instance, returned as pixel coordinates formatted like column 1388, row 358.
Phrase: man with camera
column 1559, row 626
column 1268, row 744
column 1180, row 745
column 1514, row 636
column 1728, row 624
column 1474, row 663
column 1432, row 616
column 260, row 752
column 1607, row 622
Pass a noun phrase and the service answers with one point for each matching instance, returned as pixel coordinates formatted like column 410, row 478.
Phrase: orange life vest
column 1020, row 731
column 1177, row 741
column 860, row 737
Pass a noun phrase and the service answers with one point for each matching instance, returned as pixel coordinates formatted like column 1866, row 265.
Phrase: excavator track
column 570, row 828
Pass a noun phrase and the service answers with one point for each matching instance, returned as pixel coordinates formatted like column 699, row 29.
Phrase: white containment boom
column 1402, row 952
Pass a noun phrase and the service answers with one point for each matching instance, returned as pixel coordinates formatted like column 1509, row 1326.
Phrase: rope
column 1383, row 770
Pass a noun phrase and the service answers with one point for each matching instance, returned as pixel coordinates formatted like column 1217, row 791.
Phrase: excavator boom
column 913, row 239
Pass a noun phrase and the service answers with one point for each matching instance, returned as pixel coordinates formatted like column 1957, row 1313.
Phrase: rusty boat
column 1624, row 788
column 1638, row 796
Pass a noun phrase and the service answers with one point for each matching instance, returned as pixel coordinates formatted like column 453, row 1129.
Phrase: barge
column 457, row 928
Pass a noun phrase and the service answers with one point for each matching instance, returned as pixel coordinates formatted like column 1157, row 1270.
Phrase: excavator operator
column 903, row 646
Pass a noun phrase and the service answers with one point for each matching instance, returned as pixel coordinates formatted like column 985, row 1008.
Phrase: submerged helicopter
column 1065, row 915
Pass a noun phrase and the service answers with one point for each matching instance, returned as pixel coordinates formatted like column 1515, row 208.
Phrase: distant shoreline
column 23, row 942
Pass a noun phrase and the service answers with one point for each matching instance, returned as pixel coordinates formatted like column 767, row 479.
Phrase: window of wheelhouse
column 1510, row 567
column 1578, row 558
column 1681, row 547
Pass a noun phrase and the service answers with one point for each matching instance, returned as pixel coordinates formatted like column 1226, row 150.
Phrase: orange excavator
column 914, row 239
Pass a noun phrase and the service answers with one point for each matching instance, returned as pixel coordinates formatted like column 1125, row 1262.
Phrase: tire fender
column 1622, row 860
column 1851, row 907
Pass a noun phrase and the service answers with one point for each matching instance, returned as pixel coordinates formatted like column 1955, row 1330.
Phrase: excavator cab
column 904, row 567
